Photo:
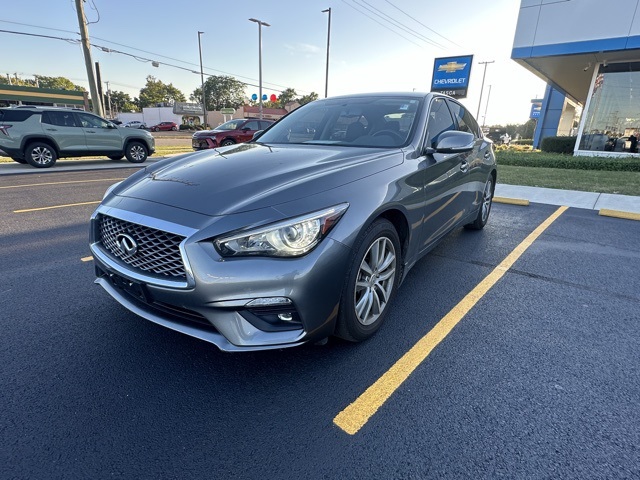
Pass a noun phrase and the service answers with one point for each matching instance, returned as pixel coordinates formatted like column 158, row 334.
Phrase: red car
column 238, row 130
column 166, row 126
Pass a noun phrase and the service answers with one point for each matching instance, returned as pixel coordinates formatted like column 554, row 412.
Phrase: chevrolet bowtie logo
column 451, row 67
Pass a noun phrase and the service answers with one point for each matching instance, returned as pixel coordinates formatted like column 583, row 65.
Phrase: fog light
column 285, row 317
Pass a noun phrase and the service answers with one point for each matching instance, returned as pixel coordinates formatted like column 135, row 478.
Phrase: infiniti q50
column 306, row 231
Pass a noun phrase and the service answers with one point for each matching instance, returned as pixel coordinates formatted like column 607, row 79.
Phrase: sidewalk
column 570, row 198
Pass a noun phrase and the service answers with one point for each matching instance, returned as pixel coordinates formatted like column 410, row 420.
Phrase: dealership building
column 588, row 53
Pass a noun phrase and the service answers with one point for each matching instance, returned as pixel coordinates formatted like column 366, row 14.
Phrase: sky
column 367, row 54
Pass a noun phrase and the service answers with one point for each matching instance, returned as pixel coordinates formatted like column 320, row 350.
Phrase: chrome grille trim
column 158, row 252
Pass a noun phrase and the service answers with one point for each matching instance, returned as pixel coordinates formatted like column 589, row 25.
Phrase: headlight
column 110, row 189
column 291, row 238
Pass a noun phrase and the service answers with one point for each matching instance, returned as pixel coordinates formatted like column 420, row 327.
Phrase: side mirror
column 256, row 134
column 111, row 125
column 455, row 141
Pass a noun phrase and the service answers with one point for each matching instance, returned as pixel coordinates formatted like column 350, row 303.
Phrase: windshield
column 230, row 125
column 376, row 121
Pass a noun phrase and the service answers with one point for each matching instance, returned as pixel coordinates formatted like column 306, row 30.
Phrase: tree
column 41, row 81
column 122, row 102
column 307, row 98
column 156, row 92
column 222, row 92
column 286, row 96
column 57, row 83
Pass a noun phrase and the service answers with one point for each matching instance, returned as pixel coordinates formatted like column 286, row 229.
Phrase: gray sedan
column 306, row 231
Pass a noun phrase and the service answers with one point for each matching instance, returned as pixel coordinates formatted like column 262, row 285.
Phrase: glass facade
column 612, row 121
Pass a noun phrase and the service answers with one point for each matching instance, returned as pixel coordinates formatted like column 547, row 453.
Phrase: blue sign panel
column 536, row 108
column 451, row 75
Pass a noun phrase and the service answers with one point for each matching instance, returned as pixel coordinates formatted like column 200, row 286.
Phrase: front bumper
column 203, row 143
column 216, row 301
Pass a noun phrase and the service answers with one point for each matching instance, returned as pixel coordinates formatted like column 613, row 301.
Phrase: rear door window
column 60, row 119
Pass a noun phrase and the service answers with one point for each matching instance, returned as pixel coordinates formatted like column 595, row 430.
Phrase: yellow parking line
column 512, row 201
column 86, row 259
column 61, row 183
column 356, row 415
column 619, row 214
column 54, row 206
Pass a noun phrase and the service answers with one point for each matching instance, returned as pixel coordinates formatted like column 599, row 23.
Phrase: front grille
column 157, row 251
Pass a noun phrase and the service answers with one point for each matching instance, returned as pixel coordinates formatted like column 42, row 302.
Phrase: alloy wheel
column 375, row 281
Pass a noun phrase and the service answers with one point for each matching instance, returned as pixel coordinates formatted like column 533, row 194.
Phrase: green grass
column 600, row 181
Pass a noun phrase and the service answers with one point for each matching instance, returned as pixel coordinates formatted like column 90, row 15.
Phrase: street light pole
column 260, row 24
column 482, row 88
column 204, row 97
column 326, row 81
column 486, row 107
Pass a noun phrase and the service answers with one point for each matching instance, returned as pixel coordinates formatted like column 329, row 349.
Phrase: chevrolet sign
column 451, row 75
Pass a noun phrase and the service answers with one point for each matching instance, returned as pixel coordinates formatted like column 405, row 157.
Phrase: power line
column 381, row 24
column 400, row 25
column 417, row 21
column 140, row 59
column 139, row 50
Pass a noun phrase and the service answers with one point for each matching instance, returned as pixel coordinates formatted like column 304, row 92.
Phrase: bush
column 554, row 160
column 558, row 144
column 523, row 141
column 185, row 126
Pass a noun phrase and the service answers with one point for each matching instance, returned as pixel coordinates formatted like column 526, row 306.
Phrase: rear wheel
column 371, row 283
column 136, row 152
column 485, row 208
column 40, row 155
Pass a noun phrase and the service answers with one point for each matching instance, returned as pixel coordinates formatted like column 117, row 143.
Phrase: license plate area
column 133, row 288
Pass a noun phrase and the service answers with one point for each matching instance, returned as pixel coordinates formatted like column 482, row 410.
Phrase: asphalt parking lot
column 534, row 373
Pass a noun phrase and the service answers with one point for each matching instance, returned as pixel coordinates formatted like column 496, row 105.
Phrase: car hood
column 250, row 176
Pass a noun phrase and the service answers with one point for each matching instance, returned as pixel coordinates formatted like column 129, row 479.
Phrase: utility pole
column 326, row 81
column 482, row 88
column 486, row 107
column 86, row 48
column 204, row 96
column 109, row 101
column 260, row 25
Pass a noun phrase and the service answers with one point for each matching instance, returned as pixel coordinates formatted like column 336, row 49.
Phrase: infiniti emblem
column 127, row 244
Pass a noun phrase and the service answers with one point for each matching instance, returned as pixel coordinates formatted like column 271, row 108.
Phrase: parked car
column 288, row 238
column 164, row 126
column 134, row 124
column 234, row 131
column 41, row 135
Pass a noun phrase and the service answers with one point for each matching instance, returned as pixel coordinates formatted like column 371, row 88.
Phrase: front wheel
column 156, row 129
column 371, row 283
column 485, row 208
column 175, row 129
column 136, row 152
column 40, row 155
column 227, row 142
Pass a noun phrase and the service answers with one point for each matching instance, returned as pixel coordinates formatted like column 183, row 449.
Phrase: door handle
column 89, row 131
column 464, row 166
column 51, row 129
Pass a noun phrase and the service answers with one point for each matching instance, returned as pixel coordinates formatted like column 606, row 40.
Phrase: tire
column 19, row 160
column 40, row 155
column 136, row 152
column 226, row 142
column 175, row 129
column 156, row 129
column 485, row 208
column 366, row 298
column 116, row 157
